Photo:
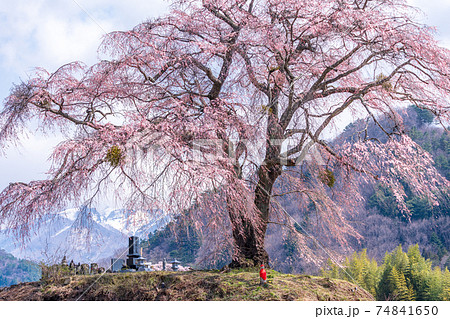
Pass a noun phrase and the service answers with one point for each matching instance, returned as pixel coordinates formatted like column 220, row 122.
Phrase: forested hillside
column 14, row 271
column 419, row 125
column 177, row 240
column 403, row 276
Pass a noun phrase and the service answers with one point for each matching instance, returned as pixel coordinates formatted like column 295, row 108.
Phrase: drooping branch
column 249, row 75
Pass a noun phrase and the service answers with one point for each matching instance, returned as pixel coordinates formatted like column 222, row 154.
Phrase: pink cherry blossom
column 249, row 75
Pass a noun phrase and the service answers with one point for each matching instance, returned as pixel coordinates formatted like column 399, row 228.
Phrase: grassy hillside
column 188, row 286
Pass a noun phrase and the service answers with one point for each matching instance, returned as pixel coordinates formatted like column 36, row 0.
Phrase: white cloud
column 436, row 14
column 48, row 33
column 27, row 162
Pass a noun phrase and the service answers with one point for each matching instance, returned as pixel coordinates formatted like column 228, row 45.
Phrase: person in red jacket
column 262, row 275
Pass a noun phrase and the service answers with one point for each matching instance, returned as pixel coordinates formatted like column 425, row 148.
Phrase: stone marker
column 94, row 268
column 72, row 268
column 84, row 269
column 175, row 264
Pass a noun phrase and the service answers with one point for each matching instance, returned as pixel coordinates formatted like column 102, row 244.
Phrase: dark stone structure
column 133, row 252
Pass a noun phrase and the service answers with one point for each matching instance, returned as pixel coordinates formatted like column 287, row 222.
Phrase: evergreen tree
column 384, row 288
column 393, row 284
column 372, row 277
column 433, row 286
column 424, row 116
column 402, row 276
column 359, row 269
column 331, row 270
column 418, row 270
column 445, row 294
column 403, row 292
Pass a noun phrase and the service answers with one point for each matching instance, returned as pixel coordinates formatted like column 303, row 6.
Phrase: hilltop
column 239, row 285
column 13, row 270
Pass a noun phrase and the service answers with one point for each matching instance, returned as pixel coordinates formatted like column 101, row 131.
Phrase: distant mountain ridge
column 84, row 235
column 14, row 271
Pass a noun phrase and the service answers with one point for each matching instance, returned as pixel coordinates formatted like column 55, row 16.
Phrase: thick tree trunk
column 249, row 244
column 248, row 234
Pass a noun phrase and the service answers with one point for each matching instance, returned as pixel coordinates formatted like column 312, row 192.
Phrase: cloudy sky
column 49, row 33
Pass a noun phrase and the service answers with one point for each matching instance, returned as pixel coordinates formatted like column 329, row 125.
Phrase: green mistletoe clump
column 327, row 177
column 114, row 156
column 386, row 85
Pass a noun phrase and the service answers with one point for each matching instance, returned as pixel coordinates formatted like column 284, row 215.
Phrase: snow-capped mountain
column 84, row 235
column 136, row 223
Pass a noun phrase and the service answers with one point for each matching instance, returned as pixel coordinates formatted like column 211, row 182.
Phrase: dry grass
column 187, row 286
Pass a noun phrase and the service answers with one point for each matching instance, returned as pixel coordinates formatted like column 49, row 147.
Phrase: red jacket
column 262, row 274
